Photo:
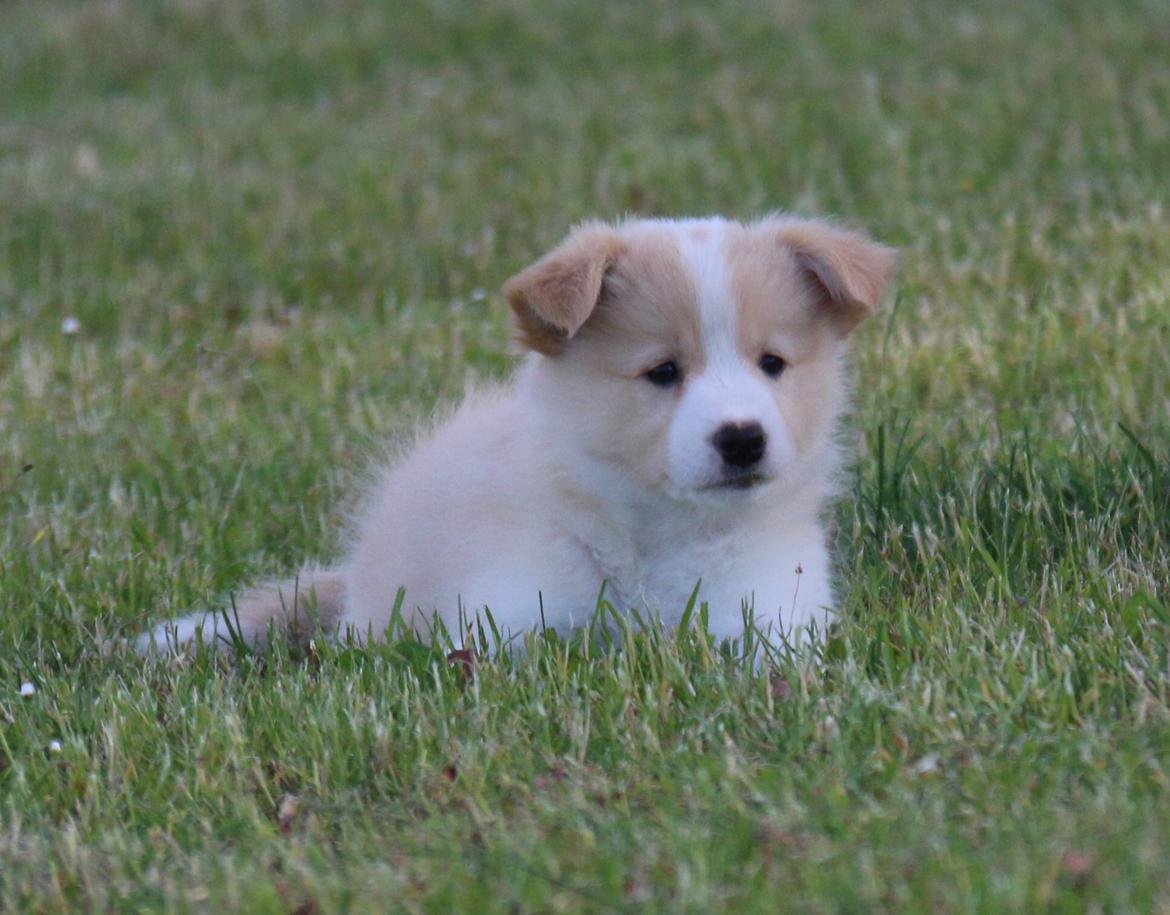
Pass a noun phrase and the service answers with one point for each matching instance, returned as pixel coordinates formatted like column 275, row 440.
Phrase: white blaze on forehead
column 701, row 244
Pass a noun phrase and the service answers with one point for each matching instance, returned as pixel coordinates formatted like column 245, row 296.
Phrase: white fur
column 522, row 502
column 179, row 632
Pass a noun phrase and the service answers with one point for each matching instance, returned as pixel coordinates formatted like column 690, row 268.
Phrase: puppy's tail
column 309, row 603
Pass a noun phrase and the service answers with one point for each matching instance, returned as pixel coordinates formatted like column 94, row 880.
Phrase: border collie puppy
column 673, row 422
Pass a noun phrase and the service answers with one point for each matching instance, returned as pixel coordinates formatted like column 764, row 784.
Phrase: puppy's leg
column 310, row 602
column 777, row 628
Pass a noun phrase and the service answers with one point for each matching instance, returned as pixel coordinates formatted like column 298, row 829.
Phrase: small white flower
column 926, row 765
column 54, row 746
column 70, row 326
column 27, row 689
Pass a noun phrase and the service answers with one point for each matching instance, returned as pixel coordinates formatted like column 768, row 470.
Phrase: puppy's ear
column 848, row 270
column 554, row 297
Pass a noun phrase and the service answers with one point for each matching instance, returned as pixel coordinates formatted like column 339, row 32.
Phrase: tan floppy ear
column 554, row 297
column 848, row 269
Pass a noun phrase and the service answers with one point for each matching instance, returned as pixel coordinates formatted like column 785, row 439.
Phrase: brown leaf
column 1077, row 866
column 286, row 813
column 463, row 660
column 556, row 773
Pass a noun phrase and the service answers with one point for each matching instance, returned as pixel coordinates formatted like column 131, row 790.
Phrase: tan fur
column 647, row 314
column 783, row 313
column 850, row 270
column 648, row 311
column 311, row 602
column 555, row 296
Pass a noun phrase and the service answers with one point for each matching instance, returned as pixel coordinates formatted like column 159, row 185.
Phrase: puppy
column 673, row 423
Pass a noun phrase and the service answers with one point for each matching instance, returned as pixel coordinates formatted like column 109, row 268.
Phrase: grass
column 279, row 228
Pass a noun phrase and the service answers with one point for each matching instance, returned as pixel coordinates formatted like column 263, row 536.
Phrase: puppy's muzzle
column 741, row 445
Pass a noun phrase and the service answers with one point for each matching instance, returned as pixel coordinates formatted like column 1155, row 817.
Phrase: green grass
column 280, row 227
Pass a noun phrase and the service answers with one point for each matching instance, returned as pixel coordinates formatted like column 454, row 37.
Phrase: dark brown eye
column 665, row 374
column 772, row 365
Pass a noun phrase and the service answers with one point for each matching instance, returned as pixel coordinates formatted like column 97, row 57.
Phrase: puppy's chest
column 661, row 573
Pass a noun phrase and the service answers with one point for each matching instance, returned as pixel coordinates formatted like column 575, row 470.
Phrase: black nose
column 740, row 444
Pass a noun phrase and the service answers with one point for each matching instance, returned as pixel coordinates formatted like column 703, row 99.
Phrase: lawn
column 244, row 244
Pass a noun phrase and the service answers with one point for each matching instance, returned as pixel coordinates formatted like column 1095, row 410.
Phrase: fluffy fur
column 673, row 420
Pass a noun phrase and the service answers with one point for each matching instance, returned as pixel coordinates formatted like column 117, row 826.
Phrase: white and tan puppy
column 674, row 421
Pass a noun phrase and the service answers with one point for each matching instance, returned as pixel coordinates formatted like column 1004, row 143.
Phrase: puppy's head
column 700, row 357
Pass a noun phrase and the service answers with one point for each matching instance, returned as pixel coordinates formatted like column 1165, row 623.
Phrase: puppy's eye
column 665, row 374
column 772, row 365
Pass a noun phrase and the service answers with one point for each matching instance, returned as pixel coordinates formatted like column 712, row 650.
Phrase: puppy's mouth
column 741, row 481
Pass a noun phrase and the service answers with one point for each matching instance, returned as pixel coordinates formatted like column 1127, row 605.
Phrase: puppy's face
column 700, row 357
